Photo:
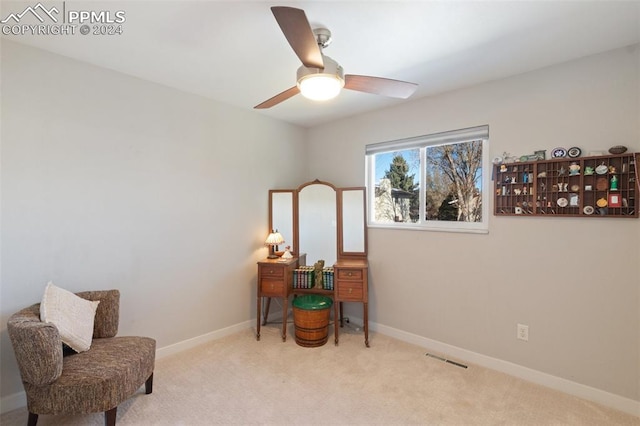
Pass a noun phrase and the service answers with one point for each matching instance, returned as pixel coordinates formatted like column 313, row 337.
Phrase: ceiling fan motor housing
column 331, row 68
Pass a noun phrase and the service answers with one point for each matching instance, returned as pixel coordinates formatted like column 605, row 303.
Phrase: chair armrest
column 107, row 314
column 36, row 345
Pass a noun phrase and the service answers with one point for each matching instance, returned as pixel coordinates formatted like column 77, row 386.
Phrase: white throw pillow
column 71, row 314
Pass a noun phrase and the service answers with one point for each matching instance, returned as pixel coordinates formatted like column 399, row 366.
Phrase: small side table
column 351, row 285
column 275, row 279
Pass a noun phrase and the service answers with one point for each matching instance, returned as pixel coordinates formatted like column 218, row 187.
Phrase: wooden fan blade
column 380, row 86
column 280, row 97
column 295, row 26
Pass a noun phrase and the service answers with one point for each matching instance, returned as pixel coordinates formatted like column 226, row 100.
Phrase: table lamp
column 273, row 241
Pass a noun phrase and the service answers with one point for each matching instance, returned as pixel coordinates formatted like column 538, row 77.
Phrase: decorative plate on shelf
column 602, row 184
column 558, row 152
column 575, row 188
column 588, row 210
column 618, row 149
column 602, row 169
column 562, row 202
column 497, row 160
column 602, row 202
column 574, row 152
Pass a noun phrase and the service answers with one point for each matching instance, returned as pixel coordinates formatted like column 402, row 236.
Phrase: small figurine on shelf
column 612, row 169
column 513, row 179
column 524, row 190
column 614, row 183
column 562, row 171
column 287, row 253
column 588, row 170
column 317, row 267
column 574, row 169
column 503, row 168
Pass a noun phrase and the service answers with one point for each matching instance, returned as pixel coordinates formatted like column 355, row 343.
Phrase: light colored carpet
column 239, row 381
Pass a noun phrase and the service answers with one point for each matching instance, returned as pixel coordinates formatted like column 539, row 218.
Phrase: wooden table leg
column 366, row 324
column 336, row 320
column 258, row 317
column 285, row 314
column 266, row 311
column 341, row 315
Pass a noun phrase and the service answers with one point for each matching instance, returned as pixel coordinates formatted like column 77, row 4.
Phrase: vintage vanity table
column 318, row 221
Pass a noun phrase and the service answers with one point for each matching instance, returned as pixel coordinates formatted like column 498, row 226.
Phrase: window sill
column 415, row 227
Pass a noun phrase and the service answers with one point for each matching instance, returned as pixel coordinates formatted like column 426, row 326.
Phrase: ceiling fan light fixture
column 320, row 87
column 321, row 84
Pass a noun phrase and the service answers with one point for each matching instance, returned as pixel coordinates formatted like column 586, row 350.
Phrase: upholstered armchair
column 97, row 380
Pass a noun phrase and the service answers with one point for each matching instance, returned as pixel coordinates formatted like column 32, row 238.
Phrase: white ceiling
column 234, row 51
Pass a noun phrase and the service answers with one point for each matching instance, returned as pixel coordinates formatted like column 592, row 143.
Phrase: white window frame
column 422, row 142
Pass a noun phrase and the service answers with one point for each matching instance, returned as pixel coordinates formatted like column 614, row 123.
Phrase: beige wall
column 573, row 281
column 111, row 181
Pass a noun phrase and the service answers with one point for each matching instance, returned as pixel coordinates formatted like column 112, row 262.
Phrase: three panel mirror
column 321, row 220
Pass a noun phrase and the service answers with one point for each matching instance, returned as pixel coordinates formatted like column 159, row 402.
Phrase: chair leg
column 110, row 417
column 148, row 385
column 33, row 419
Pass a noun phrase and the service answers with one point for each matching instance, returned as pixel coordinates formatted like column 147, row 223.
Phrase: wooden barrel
column 311, row 319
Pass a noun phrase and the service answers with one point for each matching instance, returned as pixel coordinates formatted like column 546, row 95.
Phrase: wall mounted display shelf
column 602, row 186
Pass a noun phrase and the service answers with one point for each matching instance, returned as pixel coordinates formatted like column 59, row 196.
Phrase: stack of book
column 303, row 277
column 327, row 278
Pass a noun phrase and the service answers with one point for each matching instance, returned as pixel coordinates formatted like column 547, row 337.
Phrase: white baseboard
column 199, row 340
column 608, row 399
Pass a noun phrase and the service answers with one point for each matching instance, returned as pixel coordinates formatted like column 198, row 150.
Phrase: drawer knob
column 350, row 273
column 350, row 290
column 271, row 271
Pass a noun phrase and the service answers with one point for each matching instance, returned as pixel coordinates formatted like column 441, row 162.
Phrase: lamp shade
column 274, row 239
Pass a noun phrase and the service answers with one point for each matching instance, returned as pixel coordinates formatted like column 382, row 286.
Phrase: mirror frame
column 294, row 217
column 341, row 254
column 296, row 212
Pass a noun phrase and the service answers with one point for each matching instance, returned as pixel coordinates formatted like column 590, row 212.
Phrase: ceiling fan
column 320, row 77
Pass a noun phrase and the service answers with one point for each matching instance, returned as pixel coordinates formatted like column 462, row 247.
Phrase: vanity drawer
column 272, row 287
column 350, row 274
column 348, row 290
column 271, row 271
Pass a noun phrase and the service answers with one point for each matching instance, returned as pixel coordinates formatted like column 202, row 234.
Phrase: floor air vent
column 446, row 360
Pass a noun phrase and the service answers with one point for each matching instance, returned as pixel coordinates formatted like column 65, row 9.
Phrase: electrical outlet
column 523, row 332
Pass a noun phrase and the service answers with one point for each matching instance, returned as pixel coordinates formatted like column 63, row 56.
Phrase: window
column 430, row 182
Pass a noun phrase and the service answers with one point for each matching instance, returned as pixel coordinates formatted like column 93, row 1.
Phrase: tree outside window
column 454, row 175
